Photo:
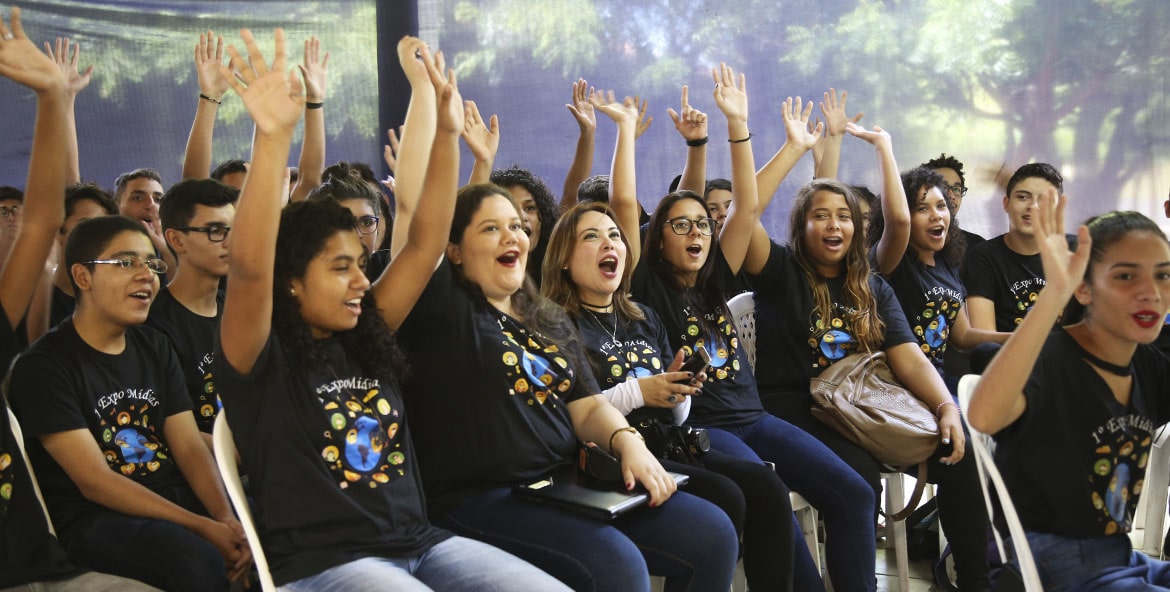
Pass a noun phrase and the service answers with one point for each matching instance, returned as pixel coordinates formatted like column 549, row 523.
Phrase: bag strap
column 915, row 497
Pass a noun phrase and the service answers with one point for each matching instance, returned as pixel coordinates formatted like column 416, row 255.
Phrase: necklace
column 612, row 334
column 597, row 307
column 1114, row 369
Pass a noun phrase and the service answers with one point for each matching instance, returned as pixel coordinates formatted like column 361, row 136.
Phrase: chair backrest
column 985, row 464
column 18, row 435
column 225, row 459
column 743, row 313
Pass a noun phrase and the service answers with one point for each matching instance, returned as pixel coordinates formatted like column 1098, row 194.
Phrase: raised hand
column 74, row 81
column 643, row 121
column 1064, row 270
column 624, row 112
column 314, row 70
column 483, row 139
column 390, row 155
column 834, row 112
column 22, row 62
column 413, row 56
column 581, row 108
column 730, row 93
column 208, row 59
column 690, row 122
column 274, row 96
column 879, row 137
column 797, row 127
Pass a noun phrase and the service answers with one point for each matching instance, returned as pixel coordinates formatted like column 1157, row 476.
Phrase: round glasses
column 367, row 224
column 956, row 189
column 683, row 225
column 12, row 211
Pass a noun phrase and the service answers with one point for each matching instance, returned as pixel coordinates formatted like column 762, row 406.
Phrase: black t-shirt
column 28, row 553
column 622, row 351
column 487, row 396
column 61, row 307
column 931, row 297
column 1075, row 461
column 377, row 263
column 62, row 384
column 971, row 240
column 729, row 395
column 193, row 338
column 793, row 344
column 329, row 456
column 1011, row 281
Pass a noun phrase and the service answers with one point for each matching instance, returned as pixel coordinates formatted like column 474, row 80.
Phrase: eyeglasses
column 216, row 233
column 6, row 212
column 682, row 225
column 368, row 224
column 158, row 266
column 956, row 189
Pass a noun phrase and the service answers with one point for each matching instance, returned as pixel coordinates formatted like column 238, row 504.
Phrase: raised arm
column 390, row 156
column 999, row 399
column 623, row 186
column 582, row 164
column 67, row 58
column 798, row 140
column 692, row 126
column 830, row 146
column 275, row 99
column 483, row 139
column 44, row 208
column 418, row 134
column 895, row 208
column 404, row 280
column 731, row 97
column 315, row 72
column 212, row 87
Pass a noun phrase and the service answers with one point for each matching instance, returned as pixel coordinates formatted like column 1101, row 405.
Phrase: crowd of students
column 510, row 326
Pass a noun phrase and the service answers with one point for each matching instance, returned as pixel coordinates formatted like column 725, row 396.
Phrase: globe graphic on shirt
column 135, row 447
column 833, row 344
column 363, row 444
column 537, row 368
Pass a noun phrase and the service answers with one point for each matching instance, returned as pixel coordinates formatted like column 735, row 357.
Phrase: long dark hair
column 1105, row 230
column 305, row 227
column 867, row 326
column 537, row 312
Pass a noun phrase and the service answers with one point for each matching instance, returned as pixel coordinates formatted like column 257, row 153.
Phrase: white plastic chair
column 18, row 435
column 225, row 459
column 742, row 309
column 1151, row 510
column 988, row 471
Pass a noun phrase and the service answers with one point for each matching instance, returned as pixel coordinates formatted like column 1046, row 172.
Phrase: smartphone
column 696, row 363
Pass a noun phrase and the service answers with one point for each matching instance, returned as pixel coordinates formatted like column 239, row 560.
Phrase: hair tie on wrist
column 207, row 98
column 697, row 142
column 938, row 408
column 309, row 105
column 749, row 136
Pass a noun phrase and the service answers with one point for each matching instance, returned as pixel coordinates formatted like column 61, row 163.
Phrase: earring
column 292, row 292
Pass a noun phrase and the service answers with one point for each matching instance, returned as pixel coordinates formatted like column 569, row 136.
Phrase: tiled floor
column 887, row 578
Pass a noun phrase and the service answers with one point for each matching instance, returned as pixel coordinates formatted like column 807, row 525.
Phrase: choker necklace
column 597, row 307
column 612, row 334
column 1123, row 371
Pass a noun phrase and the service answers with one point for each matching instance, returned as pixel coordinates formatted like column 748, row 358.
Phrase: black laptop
column 568, row 488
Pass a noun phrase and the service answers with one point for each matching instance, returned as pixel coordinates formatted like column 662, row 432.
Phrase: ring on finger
column 672, row 398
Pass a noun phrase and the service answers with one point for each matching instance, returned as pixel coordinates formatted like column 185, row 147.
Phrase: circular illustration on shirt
column 363, row 433
column 128, row 440
column 831, row 340
column 7, row 478
column 720, row 341
column 932, row 325
column 1117, row 473
column 629, row 360
column 534, row 370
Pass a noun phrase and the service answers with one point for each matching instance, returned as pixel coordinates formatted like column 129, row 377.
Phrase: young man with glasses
column 131, row 486
column 197, row 216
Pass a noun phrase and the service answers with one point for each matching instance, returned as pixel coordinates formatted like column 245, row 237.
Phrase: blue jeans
column 688, row 540
column 1099, row 564
column 456, row 564
column 843, row 499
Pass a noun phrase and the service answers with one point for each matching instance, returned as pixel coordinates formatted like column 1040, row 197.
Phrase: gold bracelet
column 629, row 429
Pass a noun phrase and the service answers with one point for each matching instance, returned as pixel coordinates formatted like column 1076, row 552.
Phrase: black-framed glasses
column 216, row 233
column 154, row 264
column 367, row 224
column 956, row 189
column 682, row 225
column 12, row 211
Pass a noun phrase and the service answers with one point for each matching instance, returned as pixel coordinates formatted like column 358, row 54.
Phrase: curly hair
column 537, row 312
column 945, row 161
column 305, row 227
column 558, row 283
column 546, row 208
column 913, row 182
column 868, row 327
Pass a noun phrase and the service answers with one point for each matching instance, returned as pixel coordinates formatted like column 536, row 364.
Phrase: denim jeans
column 688, row 540
column 1099, row 564
column 457, row 564
column 839, row 494
column 90, row 581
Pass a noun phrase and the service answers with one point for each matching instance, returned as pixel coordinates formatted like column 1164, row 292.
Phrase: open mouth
column 142, row 296
column 509, row 259
column 609, row 265
column 695, row 249
column 1147, row 319
column 937, row 232
column 834, row 241
column 355, row 305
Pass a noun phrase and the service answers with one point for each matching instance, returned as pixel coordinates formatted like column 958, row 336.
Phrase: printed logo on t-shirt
column 128, row 437
column 1119, row 469
column 1025, row 293
column 207, row 401
column 830, row 341
column 628, row 359
column 721, row 345
column 362, row 446
column 7, row 481
column 536, row 372
column 933, row 324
